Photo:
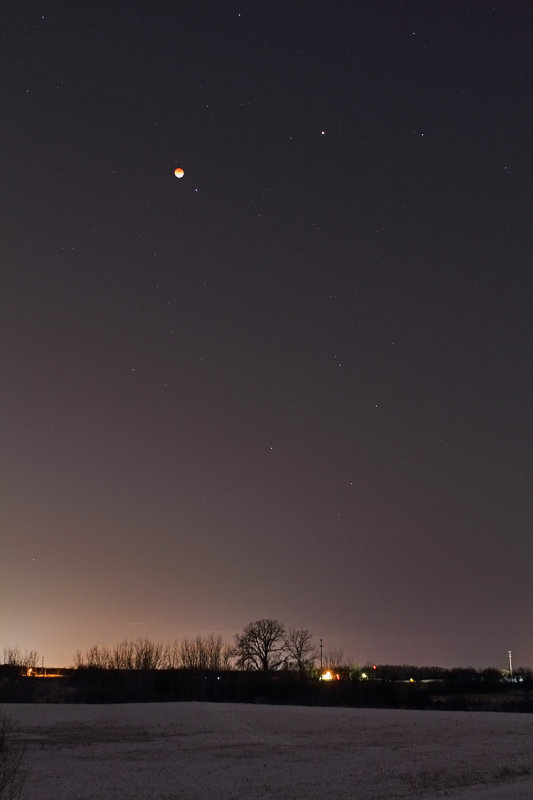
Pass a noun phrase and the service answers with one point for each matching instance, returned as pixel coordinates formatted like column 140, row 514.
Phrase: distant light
column 330, row 676
column 178, row 172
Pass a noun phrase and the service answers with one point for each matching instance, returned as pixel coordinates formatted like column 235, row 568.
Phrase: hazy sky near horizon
column 297, row 382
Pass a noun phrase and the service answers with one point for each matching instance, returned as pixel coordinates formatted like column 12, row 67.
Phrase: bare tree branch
column 261, row 645
column 11, row 755
column 299, row 644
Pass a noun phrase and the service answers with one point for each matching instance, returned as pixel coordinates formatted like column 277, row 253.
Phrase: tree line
column 263, row 646
column 202, row 653
column 15, row 657
column 265, row 662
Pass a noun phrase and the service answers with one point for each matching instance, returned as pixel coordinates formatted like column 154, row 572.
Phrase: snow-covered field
column 195, row 751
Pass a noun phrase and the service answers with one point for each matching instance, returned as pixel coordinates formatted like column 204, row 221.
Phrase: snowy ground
column 195, row 751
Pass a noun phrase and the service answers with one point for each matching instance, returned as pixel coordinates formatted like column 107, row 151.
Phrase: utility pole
column 510, row 652
column 321, row 658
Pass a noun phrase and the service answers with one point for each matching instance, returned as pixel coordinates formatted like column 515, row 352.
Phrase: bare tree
column 299, row 644
column 188, row 657
column 122, row 656
column 337, row 662
column 11, row 754
column 224, row 654
column 335, row 659
column 204, row 653
column 147, row 655
column 171, row 655
column 14, row 657
column 141, row 654
column 261, row 645
column 30, row 659
column 97, row 657
column 209, row 653
column 79, row 661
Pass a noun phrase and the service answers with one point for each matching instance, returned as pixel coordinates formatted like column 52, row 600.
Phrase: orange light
column 178, row 172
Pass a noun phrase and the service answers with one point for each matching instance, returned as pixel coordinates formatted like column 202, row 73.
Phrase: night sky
column 296, row 383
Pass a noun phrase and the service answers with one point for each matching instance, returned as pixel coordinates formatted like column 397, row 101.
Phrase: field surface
column 196, row 751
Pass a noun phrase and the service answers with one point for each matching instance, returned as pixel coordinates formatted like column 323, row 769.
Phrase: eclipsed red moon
column 178, row 172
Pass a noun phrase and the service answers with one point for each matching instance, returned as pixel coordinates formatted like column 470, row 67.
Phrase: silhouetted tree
column 11, row 754
column 96, row 657
column 299, row 644
column 123, row 655
column 141, row 654
column 204, row 653
column 261, row 646
column 147, row 655
column 335, row 659
column 337, row 662
column 171, row 655
column 14, row 657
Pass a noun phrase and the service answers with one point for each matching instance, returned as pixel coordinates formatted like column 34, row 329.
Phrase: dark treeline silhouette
column 14, row 657
column 264, row 646
column 386, row 686
column 267, row 663
column 204, row 653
